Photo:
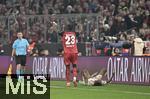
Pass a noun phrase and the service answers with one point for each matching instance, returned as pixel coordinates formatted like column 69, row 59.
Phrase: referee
column 20, row 46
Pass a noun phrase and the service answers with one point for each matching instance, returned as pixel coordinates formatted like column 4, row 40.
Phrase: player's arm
column 27, row 47
column 13, row 49
column 27, row 44
column 13, row 52
column 111, row 78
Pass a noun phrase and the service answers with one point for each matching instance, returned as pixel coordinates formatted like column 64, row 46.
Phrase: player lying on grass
column 95, row 79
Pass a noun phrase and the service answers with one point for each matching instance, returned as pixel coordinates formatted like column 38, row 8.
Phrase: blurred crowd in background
column 105, row 21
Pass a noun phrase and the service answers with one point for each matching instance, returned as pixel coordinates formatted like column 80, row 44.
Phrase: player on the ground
column 95, row 79
column 20, row 46
column 70, row 53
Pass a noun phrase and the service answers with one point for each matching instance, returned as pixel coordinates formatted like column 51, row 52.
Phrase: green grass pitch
column 111, row 91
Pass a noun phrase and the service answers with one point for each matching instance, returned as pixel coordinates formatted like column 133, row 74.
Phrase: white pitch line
column 93, row 89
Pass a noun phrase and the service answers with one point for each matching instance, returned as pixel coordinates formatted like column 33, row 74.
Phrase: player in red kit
column 70, row 54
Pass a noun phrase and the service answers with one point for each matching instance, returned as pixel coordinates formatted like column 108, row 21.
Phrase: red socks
column 68, row 73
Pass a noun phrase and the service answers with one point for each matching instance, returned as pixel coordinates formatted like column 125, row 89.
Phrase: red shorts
column 70, row 58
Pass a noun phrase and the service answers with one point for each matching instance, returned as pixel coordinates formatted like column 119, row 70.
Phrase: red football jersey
column 69, row 42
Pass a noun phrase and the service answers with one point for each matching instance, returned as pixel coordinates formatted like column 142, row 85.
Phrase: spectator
column 44, row 53
column 138, row 46
column 1, row 49
column 60, row 52
column 42, row 20
column 34, row 52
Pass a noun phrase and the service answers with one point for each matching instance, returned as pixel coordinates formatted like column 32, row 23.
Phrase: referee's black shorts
column 21, row 59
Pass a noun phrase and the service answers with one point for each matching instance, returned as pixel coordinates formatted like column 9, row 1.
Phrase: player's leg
column 111, row 78
column 67, row 75
column 97, row 79
column 18, row 64
column 82, row 81
column 22, row 68
column 67, row 63
column 99, row 76
column 23, row 63
column 74, row 62
column 18, row 70
column 103, row 71
column 103, row 82
column 86, row 75
column 75, row 75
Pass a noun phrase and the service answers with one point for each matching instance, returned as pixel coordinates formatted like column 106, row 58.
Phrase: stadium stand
column 104, row 21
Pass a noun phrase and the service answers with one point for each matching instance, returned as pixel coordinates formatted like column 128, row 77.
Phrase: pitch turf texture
column 111, row 91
